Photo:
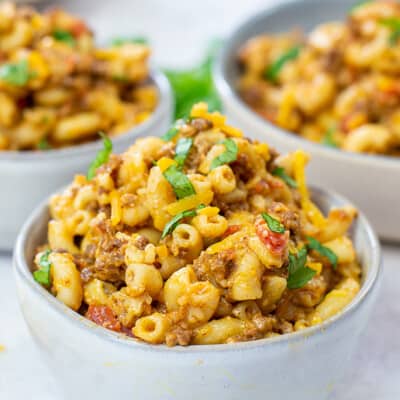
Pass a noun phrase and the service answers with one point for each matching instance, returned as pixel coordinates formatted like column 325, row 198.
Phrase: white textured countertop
column 177, row 31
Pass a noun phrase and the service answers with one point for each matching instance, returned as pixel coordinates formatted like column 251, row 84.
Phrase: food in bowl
column 337, row 86
column 57, row 88
column 198, row 237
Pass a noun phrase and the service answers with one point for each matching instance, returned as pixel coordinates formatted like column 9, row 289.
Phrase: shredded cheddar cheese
column 190, row 202
column 116, row 210
column 312, row 211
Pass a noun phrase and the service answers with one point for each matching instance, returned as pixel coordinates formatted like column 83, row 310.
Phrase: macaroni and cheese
column 198, row 237
column 338, row 86
column 58, row 89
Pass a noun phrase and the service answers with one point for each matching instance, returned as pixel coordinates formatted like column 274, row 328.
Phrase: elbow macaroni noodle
column 58, row 89
column 338, row 86
column 223, row 272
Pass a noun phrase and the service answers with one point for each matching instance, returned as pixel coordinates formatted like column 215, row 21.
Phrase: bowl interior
column 34, row 234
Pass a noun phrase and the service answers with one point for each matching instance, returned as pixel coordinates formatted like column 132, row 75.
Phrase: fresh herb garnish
column 272, row 72
column 101, row 157
column 173, row 131
column 42, row 275
column 120, row 78
column 182, row 150
column 119, row 41
column 229, row 155
column 328, row 139
column 273, row 224
column 299, row 274
column 191, row 86
column 314, row 244
column 180, row 183
column 44, row 144
column 17, row 74
column 64, row 36
column 394, row 25
column 280, row 173
column 174, row 222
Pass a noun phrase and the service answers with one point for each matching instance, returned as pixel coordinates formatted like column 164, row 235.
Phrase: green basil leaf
column 101, row 157
column 299, row 274
column 119, row 41
column 44, row 145
column 394, row 25
column 182, row 150
column 196, row 84
column 328, row 139
column 300, row 278
column 280, row 173
column 314, row 244
column 17, row 74
column 171, row 225
column 173, row 131
column 229, row 155
column 42, row 275
column 297, row 261
column 272, row 72
column 273, row 224
column 180, row 183
column 64, row 36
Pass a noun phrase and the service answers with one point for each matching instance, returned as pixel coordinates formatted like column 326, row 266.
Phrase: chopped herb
column 44, row 144
column 328, row 139
column 180, row 183
column 120, row 78
column 280, row 173
column 119, row 41
column 42, row 275
column 359, row 4
column 272, row 72
column 299, row 274
column 314, row 244
column 394, row 25
column 229, row 155
column 64, row 36
column 173, row 131
column 194, row 85
column 171, row 225
column 17, row 74
column 273, row 224
column 182, row 150
column 101, row 157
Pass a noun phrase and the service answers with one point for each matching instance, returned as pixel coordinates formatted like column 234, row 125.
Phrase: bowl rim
column 228, row 93
column 165, row 105
column 23, row 272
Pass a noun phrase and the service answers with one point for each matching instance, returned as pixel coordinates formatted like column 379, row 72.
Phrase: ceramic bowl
column 372, row 182
column 28, row 177
column 90, row 361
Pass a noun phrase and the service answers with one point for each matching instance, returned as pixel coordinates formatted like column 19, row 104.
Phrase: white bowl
column 90, row 361
column 371, row 182
column 28, row 177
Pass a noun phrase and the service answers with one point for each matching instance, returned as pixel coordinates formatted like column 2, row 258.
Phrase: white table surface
column 177, row 30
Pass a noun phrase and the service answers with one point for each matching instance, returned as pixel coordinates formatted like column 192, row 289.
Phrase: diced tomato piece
column 103, row 316
column 276, row 242
column 261, row 186
column 231, row 230
column 78, row 28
